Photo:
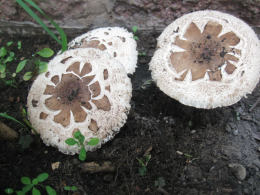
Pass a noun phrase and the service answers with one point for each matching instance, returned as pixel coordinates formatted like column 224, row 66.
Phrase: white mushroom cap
column 84, row 89
column 118, row 42
column 207, row 59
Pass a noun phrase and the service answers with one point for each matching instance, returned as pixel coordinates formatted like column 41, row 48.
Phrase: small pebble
column 55, row 165
column 238, row 170
column 193, row 131
column 235, row 132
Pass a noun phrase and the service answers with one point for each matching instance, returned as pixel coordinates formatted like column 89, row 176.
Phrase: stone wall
column 76, row 15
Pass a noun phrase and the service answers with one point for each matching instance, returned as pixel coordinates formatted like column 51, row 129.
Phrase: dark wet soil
column 191, row 149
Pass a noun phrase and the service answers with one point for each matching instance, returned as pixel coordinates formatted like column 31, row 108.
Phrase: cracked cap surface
column 207, row 59
column 83, row 89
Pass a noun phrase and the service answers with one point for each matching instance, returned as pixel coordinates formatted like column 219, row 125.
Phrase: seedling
column 33, row 185
column 160, row 182
column 70, row 188
column 143, row 162
column 142, row 53
column 79, row 139
column 8, row 56
column 134, row 30
column 39, row 65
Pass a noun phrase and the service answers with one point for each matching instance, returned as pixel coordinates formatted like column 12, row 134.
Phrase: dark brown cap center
column 71, row 89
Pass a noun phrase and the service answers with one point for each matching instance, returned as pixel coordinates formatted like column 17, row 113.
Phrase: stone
column 238, row 170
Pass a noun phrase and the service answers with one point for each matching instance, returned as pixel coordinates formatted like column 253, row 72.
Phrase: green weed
column 9, row 57
column 33, row 185
column 79, row 139
column 143, row 162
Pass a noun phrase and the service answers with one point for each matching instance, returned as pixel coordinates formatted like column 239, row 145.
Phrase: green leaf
column 42, row 177
column 82, row 154
column 50, row 190
column 141, row 162
column 136, row 38
column 20, row 66
column 9, row 43
column 35, row 181
column 10, row 58
column 79, row 137
column 71, row 141
column 19, row 193
column 42, row 67
column 70, row 188
column 134, row 29
column 35, row 191
column 27, row 76
column 45, row 52
column 19, row 45
column 93, row 141
column 2, row 68
column 25, row 180
column 142, row 171
column 5, row 115
column 67, row 188
column 9, row 190
column 3, row 52
column 73, row 188
column 24, row 112
column 27, row 188
column 25, row 141
column 3, row 75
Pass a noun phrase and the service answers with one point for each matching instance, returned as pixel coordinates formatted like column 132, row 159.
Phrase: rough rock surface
column 143, row 13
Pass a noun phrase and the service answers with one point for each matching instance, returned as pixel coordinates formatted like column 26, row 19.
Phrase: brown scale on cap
column 205, row 52
column 72, row 92
column 43, row 115
column 93, row 126
column 65, row 60
column 92, row 44
column 105, row 73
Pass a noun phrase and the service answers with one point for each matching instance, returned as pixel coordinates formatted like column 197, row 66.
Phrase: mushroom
column 84, row 89
column 207, row 59
column 118, row 42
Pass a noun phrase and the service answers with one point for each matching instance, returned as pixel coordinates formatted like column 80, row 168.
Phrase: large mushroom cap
column 207, row 59
column 118, row 42
column 84, row 89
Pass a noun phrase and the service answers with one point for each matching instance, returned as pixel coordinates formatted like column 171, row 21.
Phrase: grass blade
column 5, row 115
column 37, row 19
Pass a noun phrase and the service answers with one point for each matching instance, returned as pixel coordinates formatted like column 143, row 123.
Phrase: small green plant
column 70, row 188
column 33, row 185
column 79, row 139
column 39, row 65
column 143, row 162
column 134, row 30
column 142, row 53
column 160, row 182
column 63, row 38
column 8, row 57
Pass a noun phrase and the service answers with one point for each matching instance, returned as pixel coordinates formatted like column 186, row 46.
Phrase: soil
column 192, row 150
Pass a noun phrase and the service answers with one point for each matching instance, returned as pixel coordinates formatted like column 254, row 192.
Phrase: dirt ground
column 193, row 151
